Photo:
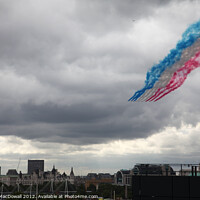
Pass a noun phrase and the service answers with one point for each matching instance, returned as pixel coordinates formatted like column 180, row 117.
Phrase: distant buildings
column 10, row 178
column 123, row 177
column 35, row 165
column 36, row 175
column 153, row 170
column 194, row 171
column 96, row 179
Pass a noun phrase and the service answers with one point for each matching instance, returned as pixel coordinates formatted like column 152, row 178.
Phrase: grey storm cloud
column 66, row 76
column 52, row 113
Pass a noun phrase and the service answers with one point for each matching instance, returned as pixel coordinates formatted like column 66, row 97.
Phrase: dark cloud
column 68, row 68
column 81, row 113
column 88, row 123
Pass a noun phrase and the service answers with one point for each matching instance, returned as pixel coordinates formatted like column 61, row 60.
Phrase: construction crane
column 18, row 164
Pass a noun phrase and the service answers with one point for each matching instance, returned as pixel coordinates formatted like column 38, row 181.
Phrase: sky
column 67, row 70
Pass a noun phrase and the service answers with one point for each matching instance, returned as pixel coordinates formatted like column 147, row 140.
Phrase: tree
column 91, row 188
column 81, row 189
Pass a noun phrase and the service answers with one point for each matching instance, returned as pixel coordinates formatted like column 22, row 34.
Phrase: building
column 71, row 176
column 165, row 187
column 153, row 170
column 35, row 165
column 12, row 172
column 10, row 178
column 94, row 179
column 184, row 172
column 123, row 177
column 193, row 171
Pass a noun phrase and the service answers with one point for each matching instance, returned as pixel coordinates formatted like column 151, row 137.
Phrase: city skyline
column 67, row 70
column 48, row 167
